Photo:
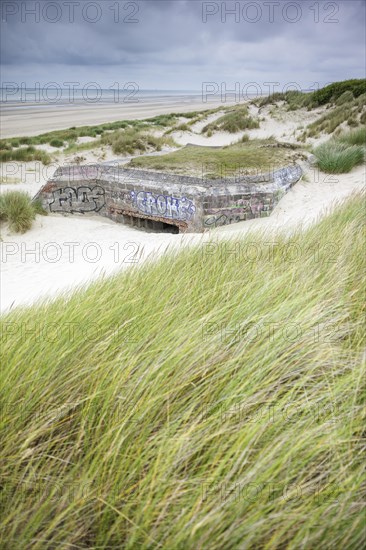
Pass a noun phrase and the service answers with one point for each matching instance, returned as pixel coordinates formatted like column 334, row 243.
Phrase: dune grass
column 338, row 157
column 356, row 137
column 24, row 154
column 165, row 120
column 74, row 147
column 346, row 97
column 347, row 94
column 349, row 112
column 58, row 138
column 244, row 157
column 210, row 400
column 125, row 137
column 293, row 98
column 233, row 121
column 57, row 142
column 171, row 120
column 130, row 141
column 70, row 135
column 17, row 208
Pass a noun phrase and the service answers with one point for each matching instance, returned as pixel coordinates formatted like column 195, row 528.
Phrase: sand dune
column 102, row 247
column 43, row 263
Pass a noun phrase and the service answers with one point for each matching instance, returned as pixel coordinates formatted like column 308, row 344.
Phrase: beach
column 33, row 118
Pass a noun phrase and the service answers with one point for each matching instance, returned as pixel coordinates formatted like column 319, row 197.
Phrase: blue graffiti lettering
column 163, row 206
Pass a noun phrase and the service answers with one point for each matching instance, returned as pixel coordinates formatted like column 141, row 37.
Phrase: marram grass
column 338, row 157
column 356, row 137
column 18, row 210
column 210, row 400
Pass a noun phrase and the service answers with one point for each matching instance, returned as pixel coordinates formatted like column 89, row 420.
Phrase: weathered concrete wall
column 234, row 201
column 141, row 197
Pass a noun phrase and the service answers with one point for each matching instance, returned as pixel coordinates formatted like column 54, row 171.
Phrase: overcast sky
column 178, row 44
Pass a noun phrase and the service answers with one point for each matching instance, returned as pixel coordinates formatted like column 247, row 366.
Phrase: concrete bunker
column 162, row 202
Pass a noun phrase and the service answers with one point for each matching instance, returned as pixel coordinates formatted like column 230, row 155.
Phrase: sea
column 39, row 96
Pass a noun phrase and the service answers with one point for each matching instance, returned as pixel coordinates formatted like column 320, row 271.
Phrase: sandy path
column 29, row 277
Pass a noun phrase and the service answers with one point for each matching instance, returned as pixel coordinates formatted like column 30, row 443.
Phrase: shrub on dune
column 334, row 91
column 56, row 143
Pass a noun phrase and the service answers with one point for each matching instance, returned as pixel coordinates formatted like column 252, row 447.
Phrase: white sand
column 27, row 277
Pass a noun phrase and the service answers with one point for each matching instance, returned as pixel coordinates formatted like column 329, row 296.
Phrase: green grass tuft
column 335, row 157
column 72, row 134
column 17, row 209
column 131, row 141
column 25, row 154
column 56, row 143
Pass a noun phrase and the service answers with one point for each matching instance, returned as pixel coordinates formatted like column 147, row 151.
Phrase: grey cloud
column 171, row 43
